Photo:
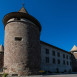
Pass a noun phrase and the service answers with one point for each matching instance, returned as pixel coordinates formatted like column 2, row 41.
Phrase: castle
column 23, row 52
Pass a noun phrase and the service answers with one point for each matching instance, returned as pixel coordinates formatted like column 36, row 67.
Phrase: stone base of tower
column 22, row 73
column 28, row 73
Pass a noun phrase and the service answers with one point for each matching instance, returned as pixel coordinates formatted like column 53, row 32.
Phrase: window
column 67, row 63
column 18, row 38
column 67, row 56
column 58, row 54
column 16, row 18
column 63, row 55
column 58, row 61
column 47, row 59
column 64, row 62
column 53, row 53
column 53, row 60
column 70, row 63
column 70, row 57
column 47, row 51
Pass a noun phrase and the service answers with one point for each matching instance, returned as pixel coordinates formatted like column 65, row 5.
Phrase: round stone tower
column 74, row 51
column 22, row 43
column 74, row 58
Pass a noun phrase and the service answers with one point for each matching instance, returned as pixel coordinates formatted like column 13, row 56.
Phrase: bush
column 4, row 75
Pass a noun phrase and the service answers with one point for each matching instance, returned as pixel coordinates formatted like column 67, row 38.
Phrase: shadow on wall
column 74, row 62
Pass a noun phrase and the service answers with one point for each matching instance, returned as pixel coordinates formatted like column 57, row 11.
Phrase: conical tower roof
column 1, row 48
column 74, row 48
column 22, row 13
column 23, row 10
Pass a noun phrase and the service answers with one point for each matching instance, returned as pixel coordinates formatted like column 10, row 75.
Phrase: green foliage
column 5, row 74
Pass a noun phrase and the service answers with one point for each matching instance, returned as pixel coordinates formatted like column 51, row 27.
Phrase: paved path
column 62, row 75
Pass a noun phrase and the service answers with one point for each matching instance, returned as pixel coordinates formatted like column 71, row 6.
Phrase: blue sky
column 58, row 19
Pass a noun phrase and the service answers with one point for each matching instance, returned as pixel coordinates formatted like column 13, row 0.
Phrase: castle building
column 23, row 52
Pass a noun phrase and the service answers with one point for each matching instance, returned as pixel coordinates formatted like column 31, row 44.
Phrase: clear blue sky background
column 58, row 19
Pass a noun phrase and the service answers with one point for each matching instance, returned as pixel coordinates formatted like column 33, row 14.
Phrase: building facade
column 54, row 59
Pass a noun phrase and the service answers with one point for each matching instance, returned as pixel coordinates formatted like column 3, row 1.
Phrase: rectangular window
column 67, row 56
column 47, row 59
column 58, row 54
column 70, row 57
column 53, row 60
column 63, row 55
column 64, row 62
column 47, row 51
column 18, row 38
column 67, row 63
column 53, row 53
column 70, row 63
column 58, row 61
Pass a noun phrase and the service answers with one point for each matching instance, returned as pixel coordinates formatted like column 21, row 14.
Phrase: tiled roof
column 74, row 48
column 54, row 47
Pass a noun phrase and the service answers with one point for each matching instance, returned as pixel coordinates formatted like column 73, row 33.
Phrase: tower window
column 18, row 38
column 16, row 18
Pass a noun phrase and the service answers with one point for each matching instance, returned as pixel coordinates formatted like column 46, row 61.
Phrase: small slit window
column 16, row 18
column 18, row 38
